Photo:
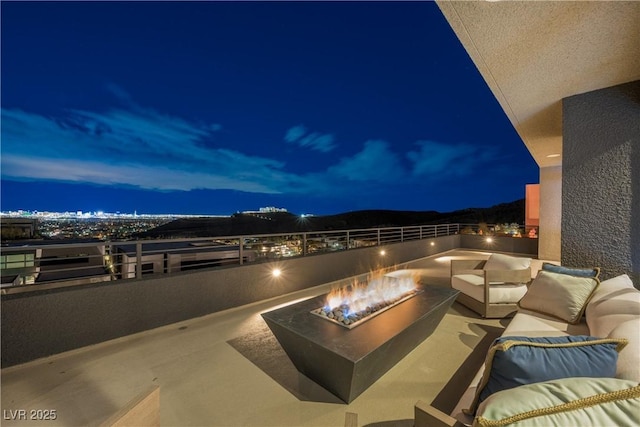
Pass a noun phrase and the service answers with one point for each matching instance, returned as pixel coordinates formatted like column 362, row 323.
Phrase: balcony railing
column 68, row 264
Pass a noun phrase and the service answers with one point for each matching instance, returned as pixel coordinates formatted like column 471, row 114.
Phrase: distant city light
column 98, row 214
column 98, row 224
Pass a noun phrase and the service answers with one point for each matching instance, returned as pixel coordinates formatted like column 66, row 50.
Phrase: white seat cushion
column 531, row 324
column 473, row 286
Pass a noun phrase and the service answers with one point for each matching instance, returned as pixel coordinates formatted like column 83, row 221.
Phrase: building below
column 268, row 209
column 18, row 228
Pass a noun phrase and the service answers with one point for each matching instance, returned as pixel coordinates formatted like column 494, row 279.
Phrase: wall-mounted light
column 383, row 252
column 433, row 243
column 276, row 272
column 551, row 156
column 489, row 240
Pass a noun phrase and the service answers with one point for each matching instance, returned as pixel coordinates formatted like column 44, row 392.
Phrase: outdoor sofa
column 569, row 357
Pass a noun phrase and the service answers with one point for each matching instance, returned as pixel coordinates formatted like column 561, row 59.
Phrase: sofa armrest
column 508, row 276
column 428, row 416
column 460, row 265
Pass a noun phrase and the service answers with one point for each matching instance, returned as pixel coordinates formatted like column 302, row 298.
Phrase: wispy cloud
column 314, row 141
column 434, row 159
column 141, row 176
column 375, row 162
column 141, row 148
column 121, row 94
column 295, row 133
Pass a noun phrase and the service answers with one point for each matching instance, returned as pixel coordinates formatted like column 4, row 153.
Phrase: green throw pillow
column 559, row 295
column 564, row 402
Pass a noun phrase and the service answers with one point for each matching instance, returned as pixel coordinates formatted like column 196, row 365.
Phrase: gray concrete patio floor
column 226, row 369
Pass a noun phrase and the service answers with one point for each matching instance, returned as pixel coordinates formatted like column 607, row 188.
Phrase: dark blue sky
column 215, row 107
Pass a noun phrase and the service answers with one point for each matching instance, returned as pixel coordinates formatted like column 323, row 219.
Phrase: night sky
column 218, row 107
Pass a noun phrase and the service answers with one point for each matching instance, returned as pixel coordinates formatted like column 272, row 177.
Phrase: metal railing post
column 241, row 249
column 378, row 237
column 401, row 234
column 304, row 244
column 138, row 259
column 347, row 247
column 420, row 233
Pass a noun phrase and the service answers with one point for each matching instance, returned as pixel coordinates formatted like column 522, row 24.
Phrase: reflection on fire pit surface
column 354, row 304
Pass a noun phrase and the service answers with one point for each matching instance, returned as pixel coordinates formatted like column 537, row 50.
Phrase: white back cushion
column 614, row 302
column 506, row 262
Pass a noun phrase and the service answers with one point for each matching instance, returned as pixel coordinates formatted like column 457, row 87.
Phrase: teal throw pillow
column 572, row 271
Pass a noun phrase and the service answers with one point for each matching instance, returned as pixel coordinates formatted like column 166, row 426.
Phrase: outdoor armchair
column 493, row 287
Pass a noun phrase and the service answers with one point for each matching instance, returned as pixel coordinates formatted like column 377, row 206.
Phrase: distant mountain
column 285, row 222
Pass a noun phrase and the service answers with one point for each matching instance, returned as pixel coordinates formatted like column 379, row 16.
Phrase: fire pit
column 352, row 305
column 346, row 361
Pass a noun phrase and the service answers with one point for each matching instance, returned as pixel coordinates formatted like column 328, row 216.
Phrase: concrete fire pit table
column 347, row 361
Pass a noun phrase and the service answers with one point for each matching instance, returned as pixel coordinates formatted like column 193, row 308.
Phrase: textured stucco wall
column 601, row 180
column 549, row 245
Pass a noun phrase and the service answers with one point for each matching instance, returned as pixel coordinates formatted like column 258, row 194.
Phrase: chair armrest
column 428, row 416
column 459, row 265
column 507, row 276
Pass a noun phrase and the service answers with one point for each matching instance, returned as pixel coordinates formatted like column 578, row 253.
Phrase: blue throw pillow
column 572, row 271
column 515, row 361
